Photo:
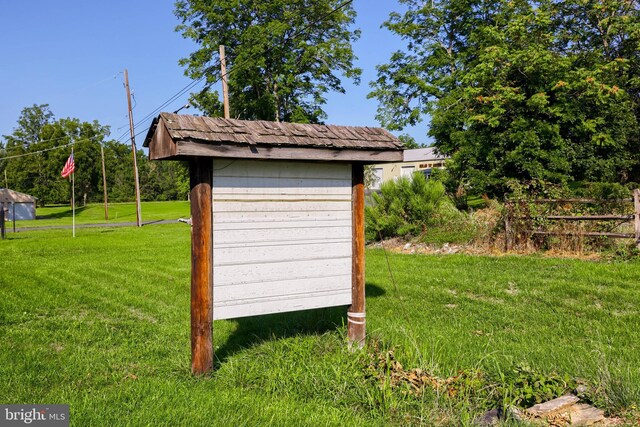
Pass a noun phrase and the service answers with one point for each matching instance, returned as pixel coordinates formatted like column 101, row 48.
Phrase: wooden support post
column 636, row 204
column 2, row 225
column 133, row 150
column 356, row 319
column 507, row 226
column 225, row 87
column 104, row 185
column 201, row 176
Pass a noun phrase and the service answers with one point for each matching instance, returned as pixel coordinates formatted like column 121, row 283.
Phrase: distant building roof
column 178, row 135
column 8, row 196
column 422, row 154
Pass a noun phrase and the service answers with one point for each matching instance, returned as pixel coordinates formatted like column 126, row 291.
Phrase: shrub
column 409, row 207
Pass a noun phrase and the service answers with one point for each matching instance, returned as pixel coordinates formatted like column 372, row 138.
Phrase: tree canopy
column 34, row 154
column 282, row 56
column 520, row 89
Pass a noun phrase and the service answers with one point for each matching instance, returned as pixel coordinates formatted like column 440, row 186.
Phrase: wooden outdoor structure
column 18, row 206
column 634, row 217
column 277, row 216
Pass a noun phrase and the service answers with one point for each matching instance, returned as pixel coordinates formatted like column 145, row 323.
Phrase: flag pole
column 73, row 201
column 73, row 198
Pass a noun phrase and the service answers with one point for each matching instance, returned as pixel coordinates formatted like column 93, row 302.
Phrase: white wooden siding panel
column 279, row 225
column 279, row 272
column 230, row 255
column 235, row 294
column 276, row 235
column 254, row 185
column 282, row 236
column 253, row 308
column 223, row 218
column 240, row 208
column 277, row 198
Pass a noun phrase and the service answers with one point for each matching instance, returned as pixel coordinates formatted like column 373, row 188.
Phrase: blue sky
column 70, row 55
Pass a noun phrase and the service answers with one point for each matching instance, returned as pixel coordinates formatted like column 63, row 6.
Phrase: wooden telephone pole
column 104, row 185
column 225, row 88
column 133, row 148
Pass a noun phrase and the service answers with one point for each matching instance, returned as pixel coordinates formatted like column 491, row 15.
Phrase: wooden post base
column 356, row 318
column 201, row 178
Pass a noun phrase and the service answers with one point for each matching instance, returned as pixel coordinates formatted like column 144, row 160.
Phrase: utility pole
column 133, row 148
column 104, row 185
column 6, row 183
column 225, row 89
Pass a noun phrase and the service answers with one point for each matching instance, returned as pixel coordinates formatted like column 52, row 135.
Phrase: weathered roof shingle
column 215, row 129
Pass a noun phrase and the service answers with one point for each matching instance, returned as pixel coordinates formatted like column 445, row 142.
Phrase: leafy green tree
column 282, row 56
column 409, row 142
column 519, row 89
column 43, row 146
column 164, row 180
column 39, row 173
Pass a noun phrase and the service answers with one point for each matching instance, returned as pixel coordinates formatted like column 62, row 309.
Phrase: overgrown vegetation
column 421, row 211
column 415, row 207
column 84, row 324
column 535, row 207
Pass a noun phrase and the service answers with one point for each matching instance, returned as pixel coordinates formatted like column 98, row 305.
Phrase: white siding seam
column 279, row 261
column 270, row 244
column 306, row 295
column 279, row 280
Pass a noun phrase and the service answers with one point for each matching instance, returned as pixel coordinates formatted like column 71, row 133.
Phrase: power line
column 45, row 150
column 237, row 66
column 152, row 114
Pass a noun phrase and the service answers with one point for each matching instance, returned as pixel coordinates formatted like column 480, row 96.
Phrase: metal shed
column 277, row 216
column 19, row 206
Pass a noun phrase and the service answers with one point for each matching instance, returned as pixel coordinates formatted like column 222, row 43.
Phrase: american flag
column 69, row 167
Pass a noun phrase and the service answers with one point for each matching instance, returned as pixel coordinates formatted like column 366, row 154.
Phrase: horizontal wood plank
column 243, row 206
column 187, row 149
column 276, row 217
column 277, row 169
column 243, row 255
column 585, row 233
column 280, row 225
column 282, row 236
column 234, row 294
column 278, row 271
column 281, row 306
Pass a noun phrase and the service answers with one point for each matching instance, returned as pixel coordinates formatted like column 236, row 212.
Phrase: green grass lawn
column 101, row 322
column 93, row 213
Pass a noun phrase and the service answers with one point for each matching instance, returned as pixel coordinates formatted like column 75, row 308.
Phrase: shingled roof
column 9, row 196
column 176, row 136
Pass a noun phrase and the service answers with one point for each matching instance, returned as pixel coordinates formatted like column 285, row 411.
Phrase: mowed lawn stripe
column 102, row 322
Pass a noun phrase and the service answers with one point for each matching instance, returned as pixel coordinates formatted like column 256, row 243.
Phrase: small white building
column 420, row 159
column 17, row 206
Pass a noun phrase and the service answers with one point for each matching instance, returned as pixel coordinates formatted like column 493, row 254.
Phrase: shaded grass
column 93, row 213
column 102, row 322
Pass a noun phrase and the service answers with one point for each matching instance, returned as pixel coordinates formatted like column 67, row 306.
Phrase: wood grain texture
column 162, row 146
column 280, row 244
column 636, row 221
column 245, row 151
column 356, row 316
column 201, row 267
